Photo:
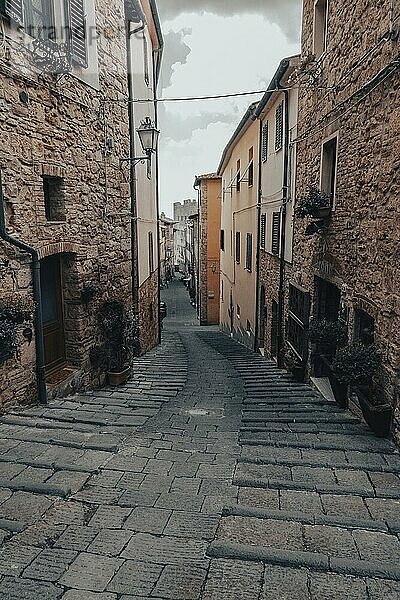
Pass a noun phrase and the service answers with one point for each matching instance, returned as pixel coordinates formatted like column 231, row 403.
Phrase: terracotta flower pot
column 120, row 378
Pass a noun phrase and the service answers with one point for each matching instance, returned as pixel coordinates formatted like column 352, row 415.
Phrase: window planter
column 322, row 213
column 377, row 416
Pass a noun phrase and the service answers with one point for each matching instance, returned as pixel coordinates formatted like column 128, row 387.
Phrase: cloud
column 285, row 13
column 176, row 52
column 179, row 129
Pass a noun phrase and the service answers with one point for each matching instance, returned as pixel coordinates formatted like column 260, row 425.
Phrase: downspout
column 132, row 169
column 257, row 319
column 37, row 294
column 155, row 83
column 282, row 245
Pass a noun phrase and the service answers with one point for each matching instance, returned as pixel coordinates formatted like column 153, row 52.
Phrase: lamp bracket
column 135, row 160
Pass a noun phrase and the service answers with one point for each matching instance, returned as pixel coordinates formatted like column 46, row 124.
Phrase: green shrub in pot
column 356, row 364
column 331, row 333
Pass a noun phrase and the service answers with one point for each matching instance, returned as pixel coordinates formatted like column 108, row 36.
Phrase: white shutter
column 77, row 31
column 15, row 10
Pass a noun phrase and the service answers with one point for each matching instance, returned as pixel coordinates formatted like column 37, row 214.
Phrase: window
column 298, row 320
column 238, row 311
column 222, row 290
column 328, row 168
column 38, row 18
column 263, row 227
column 54, row 198
column 238, row 177
column 237, row 247
column 364, row 327
column 251, row 167
column 279, row 127
column 320, row 26
column 151, row 252
column 223, row 240
column 264, row 152
column 248, row 327
column 249, row 252
column 276, row 222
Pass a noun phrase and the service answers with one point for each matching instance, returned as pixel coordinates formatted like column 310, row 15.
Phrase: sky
column 214, row 47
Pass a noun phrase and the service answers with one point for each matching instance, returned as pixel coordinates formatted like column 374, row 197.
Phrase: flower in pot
column 89, row 291
column 119, row 334
column 315, row 204
column 356, row 365
column 8, row 339
column 17, row 309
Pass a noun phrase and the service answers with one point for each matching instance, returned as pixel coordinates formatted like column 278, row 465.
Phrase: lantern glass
column 148, row 136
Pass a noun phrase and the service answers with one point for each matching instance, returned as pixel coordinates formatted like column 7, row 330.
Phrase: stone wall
column 148, row 313
column 360, row 251
column 62, row 132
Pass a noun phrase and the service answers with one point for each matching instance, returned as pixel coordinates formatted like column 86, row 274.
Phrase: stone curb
column 299, row 517
column 37, row 464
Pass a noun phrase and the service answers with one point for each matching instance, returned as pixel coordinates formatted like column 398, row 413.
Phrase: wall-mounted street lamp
column 148, row 136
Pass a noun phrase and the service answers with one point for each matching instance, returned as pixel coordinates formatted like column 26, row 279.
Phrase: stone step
column 311, row 417
column 342, row 428
column 323, row 462
column 35, row 488
column 318, row 561
column 334, row 442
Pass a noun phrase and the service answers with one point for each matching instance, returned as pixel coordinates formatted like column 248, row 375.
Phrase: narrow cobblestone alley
column 209, row 476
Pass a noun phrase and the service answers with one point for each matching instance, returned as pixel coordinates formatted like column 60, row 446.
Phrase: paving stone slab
column 191, row 525
column 180, row 582
column 25, row 507
column 85, row 595
column 268, row 533
column 77, row 537
column 164, row 550
column 282, row 583
column 112, row 517
column 233, row 580
column 91, row 572
column 13, row 588
column 148, row 520
column 135, row 578
column 50, row 564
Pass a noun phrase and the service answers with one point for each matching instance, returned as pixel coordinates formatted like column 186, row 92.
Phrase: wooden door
column 52, row 304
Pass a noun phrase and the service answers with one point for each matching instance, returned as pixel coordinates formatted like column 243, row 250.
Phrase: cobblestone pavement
column 209, row 476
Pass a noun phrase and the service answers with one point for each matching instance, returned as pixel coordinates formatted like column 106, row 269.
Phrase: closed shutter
column 276, row 220
column 14, row 9
column 77, row 31
column 222, row 239
column 249, row 252
column 265, row 142
column 237, row 247
column 279, row 127
column 263, row 228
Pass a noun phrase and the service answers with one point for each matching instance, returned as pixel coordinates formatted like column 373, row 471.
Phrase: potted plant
column 16, row 309
column 328, row 333
column 356, row 365
column 315, row 204
column 89, row 291
column 295, row 365
column 8, row 339
column 119, row 337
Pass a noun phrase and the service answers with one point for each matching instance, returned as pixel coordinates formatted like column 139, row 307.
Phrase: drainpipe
column 282, row 245
column 37, row 294
column 257, row 319
column 155, row 53
column 132, row 168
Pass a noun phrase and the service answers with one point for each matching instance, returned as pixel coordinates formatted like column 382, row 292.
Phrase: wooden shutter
column 265, row 142
column 279, row 127
column 238, row 247
column 77, row 31
column 276, row 221
column 263, row 227
column 222, row 239
column 14, row 9
column 249, row 252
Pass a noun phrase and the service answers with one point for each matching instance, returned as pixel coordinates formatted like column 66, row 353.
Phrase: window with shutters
column 151, row 252
column 251, row 167
column 264, row 153
column 276, row 222
column 238, row 176
column 38, row 18
column 76, row 30
column 298, row 320
column 237, row 247
column 14, row 9
column 249, row 252
column 223, row 240
column 279, row 127
column 263, row 228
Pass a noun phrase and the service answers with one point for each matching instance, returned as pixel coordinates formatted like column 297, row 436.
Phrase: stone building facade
column 182, row 212
column 167, row 227
column 208, row 268
column 65, row 126
column 348, row 132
